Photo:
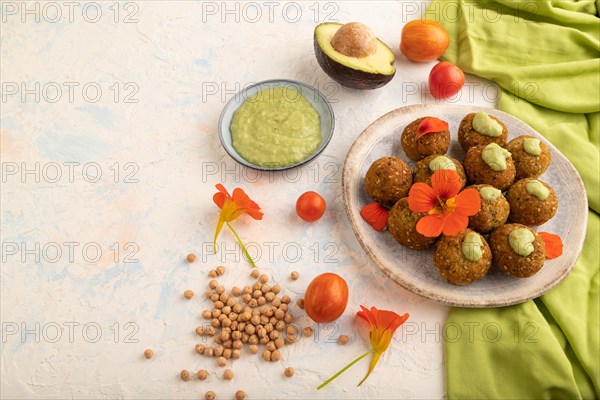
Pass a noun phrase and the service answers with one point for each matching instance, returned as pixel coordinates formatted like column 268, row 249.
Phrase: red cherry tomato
column 445, row 80
column 310, row 206
column 326, row 297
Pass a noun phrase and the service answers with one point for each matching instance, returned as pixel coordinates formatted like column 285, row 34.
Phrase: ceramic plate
column 314, row 97
column 414, row 270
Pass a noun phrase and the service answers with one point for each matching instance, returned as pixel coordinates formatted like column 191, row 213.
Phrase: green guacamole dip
column 276, row 127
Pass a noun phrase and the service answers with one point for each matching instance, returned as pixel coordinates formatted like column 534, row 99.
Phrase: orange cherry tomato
column 445, row 80
column 310, row 206
column 424, row 40
column 326, row 297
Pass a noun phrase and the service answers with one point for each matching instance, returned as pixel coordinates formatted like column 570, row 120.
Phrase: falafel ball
column 469, row 137
column 464, row 258
column 425, row 168
column 494, row 209
column 388, row 180
column 531, row 156
column 432, row 143
column 517, row 250
column 402, row 224
column 498, row 171
column 532, row 202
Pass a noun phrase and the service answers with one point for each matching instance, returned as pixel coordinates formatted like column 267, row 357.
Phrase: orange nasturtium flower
column 231, row 208
column 382, row 325
column 448, row 210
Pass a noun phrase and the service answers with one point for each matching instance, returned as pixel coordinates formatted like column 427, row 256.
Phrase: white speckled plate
column 415, row 270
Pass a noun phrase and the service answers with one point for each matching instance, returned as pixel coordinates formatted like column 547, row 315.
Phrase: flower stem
column 328, row 381
column 242, row 245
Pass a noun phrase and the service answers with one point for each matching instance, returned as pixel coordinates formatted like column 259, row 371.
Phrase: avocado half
column 370, row 72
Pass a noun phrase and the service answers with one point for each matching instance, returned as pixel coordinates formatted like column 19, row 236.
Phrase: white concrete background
column 164, row 76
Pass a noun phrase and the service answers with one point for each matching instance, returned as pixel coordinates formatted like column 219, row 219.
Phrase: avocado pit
column 355, row 40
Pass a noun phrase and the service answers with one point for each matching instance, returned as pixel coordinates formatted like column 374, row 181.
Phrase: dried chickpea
column 290, row 339
column 343, row 339
column 273, row 335
column 242, row 328
column 269, row 327
column 240, row 395
column 224, row 297
column 216, row 313
column 236, row 291
column 219, row 351
column 273, row 321
column 200, row 348
column 266, row 355
column 215, row 323
column 210, row 331
column 199, row 330
column 255, row 320
column 218, row 339
column 271, row 346
column 185, row 375
column 210, row 395
column 191, row 258
column 209, row 352
column 276, row 288
column 148, row 353
column 246, row 297
column 284, row 307
column 250, row 329
column 264, row 278
column 227, row 353
column 228, row 344
column 257, row 293
column 261, row 301
column 307, row 331
column 233, row 316
column 236, row 354
column 245, row 337
column 247, row 290
column 266, row 288
column 221, row 361
column 255, row 273
column 234, row 325
column 236, row 335
column 291, row 330
column 219, row 304
column 231, row 302
column 280, row 326
column 253, row 349
column 202, row 374
column 237, row 344
column 213, row 283
column 279, row 342
column 222, row 317
column 300, row 303
column 289, row 372
column 228, row 374
column 208, row 293
column 214, row 297
column 253, row 339
column 276, row 355
column 269, row 296
column 263, row 340
column 286, row 299
column 276, row 302
column 252, row 303
column 206, row 314
column 212, row 273
column 261, row 332
column 226, row 310
column 279, row 313
column 226, row 322
column 264, row 320
column 188, row 294
column 220, row 270
column 237, row 308
column 294, row 275
column 219, row 289
column 256, row 286
column 288, row 318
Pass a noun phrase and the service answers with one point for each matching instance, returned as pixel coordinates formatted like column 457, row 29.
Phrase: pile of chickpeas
column 254, row 315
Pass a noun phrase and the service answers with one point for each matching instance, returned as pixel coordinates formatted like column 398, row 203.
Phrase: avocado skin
column 347, row 76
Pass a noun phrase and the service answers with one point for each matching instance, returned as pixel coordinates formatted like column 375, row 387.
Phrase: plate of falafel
column 526, row 188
